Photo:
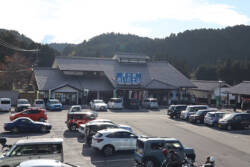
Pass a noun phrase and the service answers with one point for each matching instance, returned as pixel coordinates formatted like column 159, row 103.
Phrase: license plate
column 219, row 126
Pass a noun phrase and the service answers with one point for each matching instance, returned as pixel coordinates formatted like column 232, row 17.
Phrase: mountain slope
column 195, row 47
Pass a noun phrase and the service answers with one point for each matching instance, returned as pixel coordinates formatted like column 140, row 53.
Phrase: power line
column 9, row 46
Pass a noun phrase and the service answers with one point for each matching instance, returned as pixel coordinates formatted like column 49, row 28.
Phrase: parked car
column 115, row 103
column 5, row 104
column 54, row 105
column 149, row 150
column 78, row 108
column 192, row 109
column 74, row 120
column 212, row 118
column 132, row 104
column 175, row 110
column 81, row 129
column 39, row 148
column 150, row 103
column 235, row 121
column 36, row 114
column 27, row 125
column 92, row 127
column 39, row 103
column 98, row 105
column 22, row 104
column 44, row 162
column 110, row 140
column 199, row 116
column 170, row 109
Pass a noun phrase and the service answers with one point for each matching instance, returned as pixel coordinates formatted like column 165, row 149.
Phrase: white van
column 115, row 103
column 42, row 148
column 5, row 104
column 39, row 103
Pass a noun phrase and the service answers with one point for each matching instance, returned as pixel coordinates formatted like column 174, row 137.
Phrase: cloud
column 76, row 20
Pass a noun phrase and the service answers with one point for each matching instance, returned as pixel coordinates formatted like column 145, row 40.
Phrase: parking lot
column 230, row 148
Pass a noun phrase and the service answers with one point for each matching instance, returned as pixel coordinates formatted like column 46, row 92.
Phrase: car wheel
column 229, row 127
column 73, row 127
column 108, row 150
column 42, row 120
column 198, row 121
column 15, row 130
column 43, row 129
column 149, row 163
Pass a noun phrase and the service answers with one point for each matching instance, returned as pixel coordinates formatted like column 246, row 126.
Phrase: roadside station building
column 77, row 80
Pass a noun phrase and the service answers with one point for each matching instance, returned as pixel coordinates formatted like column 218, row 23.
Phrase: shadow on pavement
column 71, row 134
column 15, row 135
column 121, row 158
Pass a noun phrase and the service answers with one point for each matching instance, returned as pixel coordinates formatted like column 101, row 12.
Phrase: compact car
column 27, row 125
column 110, row 140
column 36, row 114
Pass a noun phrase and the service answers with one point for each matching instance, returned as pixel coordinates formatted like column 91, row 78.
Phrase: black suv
column 175, row 110
column 235, row 121
column 199, row 116
column 149, row 150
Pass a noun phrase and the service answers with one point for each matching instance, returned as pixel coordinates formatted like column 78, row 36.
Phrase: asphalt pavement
column 230, row 149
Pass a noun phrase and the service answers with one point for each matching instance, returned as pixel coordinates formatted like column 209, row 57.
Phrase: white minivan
column 115, row 103
column 28, row 149
column 5, row 104
column 39, row 103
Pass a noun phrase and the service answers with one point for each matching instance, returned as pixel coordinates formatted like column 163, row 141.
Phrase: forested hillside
column 200, row 53
column 16, row 61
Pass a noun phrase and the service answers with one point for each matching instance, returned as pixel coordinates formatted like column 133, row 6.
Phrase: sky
column 73, row 21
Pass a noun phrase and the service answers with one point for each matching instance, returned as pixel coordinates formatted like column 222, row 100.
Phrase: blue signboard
column 126, row 78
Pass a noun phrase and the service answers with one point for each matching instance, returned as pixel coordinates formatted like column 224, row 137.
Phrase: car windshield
column 98, row 101
column 5, row 102
column 23, row 102
column 75, row 109
column 39, row 102
column 154, row 100
column 200, row 112
column 54, row 102
column 220, row 115
column 116, row 100
column 173, row 145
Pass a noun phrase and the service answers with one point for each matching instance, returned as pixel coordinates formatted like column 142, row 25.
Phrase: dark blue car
column 27, row 125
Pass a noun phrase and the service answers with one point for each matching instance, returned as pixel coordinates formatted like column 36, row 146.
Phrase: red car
column 75, row 119
column 36, row 114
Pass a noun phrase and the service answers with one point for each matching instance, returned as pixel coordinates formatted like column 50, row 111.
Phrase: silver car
column 212, row 118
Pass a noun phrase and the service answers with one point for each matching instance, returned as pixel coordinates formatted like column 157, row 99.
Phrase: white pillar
column 98, row 95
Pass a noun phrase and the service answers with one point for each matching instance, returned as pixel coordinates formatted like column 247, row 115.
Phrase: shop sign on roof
column 128, row 78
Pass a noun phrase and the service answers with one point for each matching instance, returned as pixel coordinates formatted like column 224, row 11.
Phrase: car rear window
column 5, row 102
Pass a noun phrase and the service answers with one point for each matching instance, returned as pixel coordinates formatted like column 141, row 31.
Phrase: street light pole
column 220, row 92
